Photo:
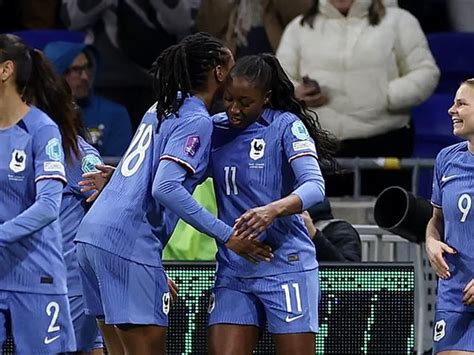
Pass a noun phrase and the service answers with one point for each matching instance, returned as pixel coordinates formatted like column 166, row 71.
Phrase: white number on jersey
column 135, row 154
column 230, row 183
column 52, row 310
column 464, row 205
column 296, row 287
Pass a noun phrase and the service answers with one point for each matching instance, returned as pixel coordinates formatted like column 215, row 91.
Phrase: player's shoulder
column 289, row 123
column 279, row 118
column 36, row 119
column 149, row 116
column 87, row 149
column 194, row 110
column 451, row 151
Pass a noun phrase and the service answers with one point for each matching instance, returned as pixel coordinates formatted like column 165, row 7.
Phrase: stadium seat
column 454, row 54
column 433, row 132
column 433, row 126
column 40, row 38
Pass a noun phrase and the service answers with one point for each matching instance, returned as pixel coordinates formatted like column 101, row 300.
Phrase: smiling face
column 243, row 101
column 462, row 112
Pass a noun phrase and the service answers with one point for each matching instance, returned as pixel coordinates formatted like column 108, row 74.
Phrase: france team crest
column 18, row 162
column 257, row 148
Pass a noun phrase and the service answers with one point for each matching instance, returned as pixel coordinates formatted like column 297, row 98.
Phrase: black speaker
column 402, row 213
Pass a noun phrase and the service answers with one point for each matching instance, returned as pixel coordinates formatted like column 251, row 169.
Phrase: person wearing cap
column 336, row 240
column 108, row 122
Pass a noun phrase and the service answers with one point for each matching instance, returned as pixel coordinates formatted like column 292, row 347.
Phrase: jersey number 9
column 464, row 205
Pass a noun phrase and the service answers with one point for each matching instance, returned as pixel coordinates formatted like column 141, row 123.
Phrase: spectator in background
column 249, row 26
column 363, row 66
column 129, row 35
column 335, row 239
column 107, row 122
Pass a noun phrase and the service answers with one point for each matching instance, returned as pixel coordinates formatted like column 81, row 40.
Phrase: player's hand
column 435, row 250
column 255, row 221
column 249, row 248
column 308, row 222
column 468, row 298
column 95, row 181
column 173, row 290
column 315, row 100
column 303, row 90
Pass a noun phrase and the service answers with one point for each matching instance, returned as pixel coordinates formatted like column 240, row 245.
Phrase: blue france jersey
column 125, row 219
column 30, row 151
column 251, row 168
column 74, row 207
column 453, row 191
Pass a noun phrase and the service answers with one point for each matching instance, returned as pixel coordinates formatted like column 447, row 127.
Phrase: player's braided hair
column 183, row 69
column 265, row 72
column 39, row 85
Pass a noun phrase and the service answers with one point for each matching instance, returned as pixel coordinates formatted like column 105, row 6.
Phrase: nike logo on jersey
column 50, row 340
column 291, row 319
column 445, row 178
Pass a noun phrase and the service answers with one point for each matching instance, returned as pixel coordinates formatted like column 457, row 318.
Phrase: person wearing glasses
column 108, row 122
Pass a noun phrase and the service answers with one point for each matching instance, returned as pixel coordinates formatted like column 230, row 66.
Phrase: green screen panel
column 364, row 309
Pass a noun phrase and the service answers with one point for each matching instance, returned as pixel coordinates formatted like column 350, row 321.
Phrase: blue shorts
column 287, row 302
column 85, row 326
column 40, row 324
column 122, row 291
column 453, row 331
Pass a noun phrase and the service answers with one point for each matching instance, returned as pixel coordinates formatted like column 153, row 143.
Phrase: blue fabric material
column 27, row 313
column 125, row 219
column 453, row 189
column 309, row 180
column 253, row 167
column 168, row 189
column 123, row 291
column 31, row 253
column 41, row 213
column 288, row 302
column 73, row 209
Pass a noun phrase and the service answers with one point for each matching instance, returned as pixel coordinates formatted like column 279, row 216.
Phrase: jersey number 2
column 135, row 154
column 52, row 310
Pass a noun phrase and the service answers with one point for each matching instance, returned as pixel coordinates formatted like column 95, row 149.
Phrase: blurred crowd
column 360, row 65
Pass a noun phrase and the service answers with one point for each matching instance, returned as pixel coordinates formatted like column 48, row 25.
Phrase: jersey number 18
column 135, row 154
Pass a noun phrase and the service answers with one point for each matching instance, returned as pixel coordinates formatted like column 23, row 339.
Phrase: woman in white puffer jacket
column 372, row 64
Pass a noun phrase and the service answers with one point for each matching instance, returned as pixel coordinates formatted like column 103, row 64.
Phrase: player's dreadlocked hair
column 183, row 69
column 265, row 72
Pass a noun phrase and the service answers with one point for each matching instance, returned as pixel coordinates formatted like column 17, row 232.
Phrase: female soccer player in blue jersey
column 122, row 236
column 265, row 168
column 33, row 294
column 80, row 157
column 450, row 230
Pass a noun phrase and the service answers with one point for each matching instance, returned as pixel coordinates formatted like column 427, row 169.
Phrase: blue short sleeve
column 297, row 141
column 49, row 155
column 189, row 143
column 90, row 157
column 436, row 196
